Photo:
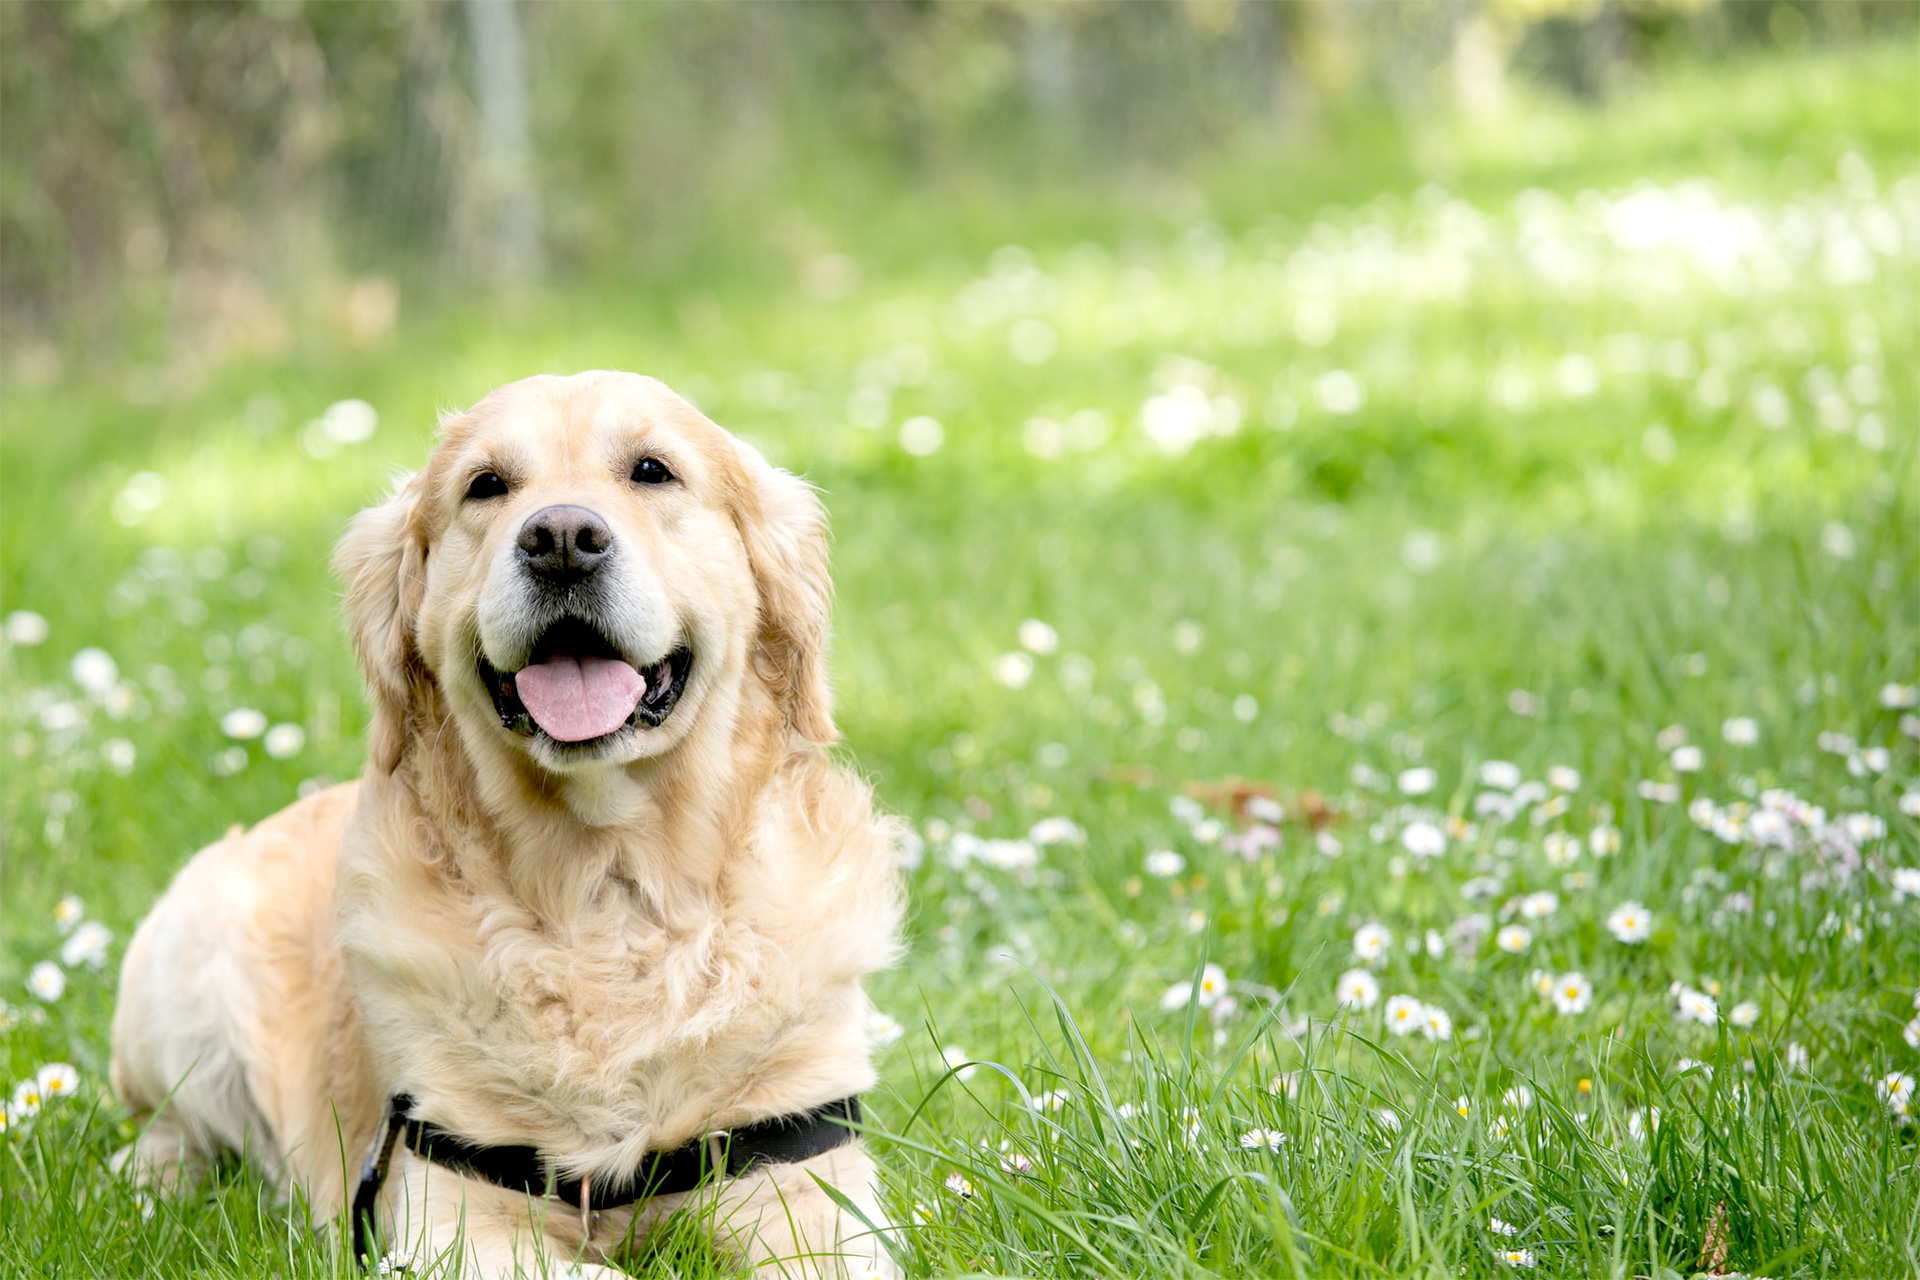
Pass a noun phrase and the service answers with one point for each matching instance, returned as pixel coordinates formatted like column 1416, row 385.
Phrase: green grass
column 1559, row 524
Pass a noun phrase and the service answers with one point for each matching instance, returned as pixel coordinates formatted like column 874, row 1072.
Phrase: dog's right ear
column 383, row 560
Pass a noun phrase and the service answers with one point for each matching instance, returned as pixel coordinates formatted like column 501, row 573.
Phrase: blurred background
column 186, row 182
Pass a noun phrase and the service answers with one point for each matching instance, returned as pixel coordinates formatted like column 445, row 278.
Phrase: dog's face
column 585, row 566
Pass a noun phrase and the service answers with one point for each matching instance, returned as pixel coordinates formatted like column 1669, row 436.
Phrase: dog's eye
column 651, row 471
column 486, row 485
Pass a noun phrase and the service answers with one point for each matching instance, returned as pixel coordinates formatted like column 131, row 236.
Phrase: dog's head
column 585, row 567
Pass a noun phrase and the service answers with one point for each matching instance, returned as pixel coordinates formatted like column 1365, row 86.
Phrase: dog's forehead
column 572, row 417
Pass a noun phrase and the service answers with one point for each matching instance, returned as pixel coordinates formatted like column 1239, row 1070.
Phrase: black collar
column 781, row 1140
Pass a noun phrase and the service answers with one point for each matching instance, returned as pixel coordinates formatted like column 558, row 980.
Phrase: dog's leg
column 433, row 1218
column 780, row 1220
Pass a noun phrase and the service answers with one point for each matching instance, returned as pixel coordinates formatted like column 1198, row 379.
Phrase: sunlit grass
column 1519, row 459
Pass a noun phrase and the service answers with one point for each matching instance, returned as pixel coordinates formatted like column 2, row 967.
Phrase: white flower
column 1513, row 939
column 1538, row 906
column 1500, row 1228
column 1741, row 731
column 958, row 1061
column 68, row 912
column 1057, row 830
column 1388, row 1119
column 1604, row 840
column 1896, row 1090
column 1630, row 922
column 1686, row 759
column 25, row 628
column 1463, row 1104
column 1798, row 1059
column 1436, row 1023
column 1518, row 1258
column 26, row 1100
column 1563, row 778
column 86, row 945
column 1424, row 839
column 1696, row 1006
column 957, row 1183
column 1037, row 637
column 243, row 722
column 1370, row 942
column 883, row 1028
column 1356, row 989
column 284, row 741
column 1519, row 1097
column 1417, row 782
column 1017, row 1163
column 1893, row 697
column 1013, row 670
column 1165, row 863
column 1500, row 775
column 1641, row 1123
column 1910, row 803
column 1262, row 1140
column 1405, row 1015
column 47, row 981
column 1562, row 849
column 1213, row 985
column 1911, row 1034
column 1572, row 993
column 58, row 1080
column 95, row 671
column 1744, row 1014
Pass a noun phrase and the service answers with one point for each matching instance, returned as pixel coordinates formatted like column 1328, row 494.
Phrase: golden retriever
column 600, row 891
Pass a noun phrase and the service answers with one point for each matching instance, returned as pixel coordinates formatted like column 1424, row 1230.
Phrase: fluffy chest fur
column 648, row 1005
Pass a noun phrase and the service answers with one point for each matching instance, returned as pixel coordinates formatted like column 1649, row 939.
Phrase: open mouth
column 577, row 688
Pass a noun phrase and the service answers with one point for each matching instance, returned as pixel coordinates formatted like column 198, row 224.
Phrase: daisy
column 243, row 722
column 58, row 1080
column 1262, row 1139
column 1641, row 1123
column 1164, row 864
column 1500, row 1228
column 1798, row 1059
column 883, row 1029
column 1696, row 1006
column 1417, row 782
column 47, row 981
column 67, row 912
column 1538, row 906
column 1463, row 1104
column 1437, row 1024
column 1906, row 883
column 957, row 1183
column 958, row 1061
column 1370, row 942
column 1562, row 849
column 1911, row 1034
column 1388, row 1119
column 1285, row 1085
column 1744, row 1014
column 1895, row 697
column 1562, row 778
column 1541, row 981
column 1424, row 840
column 1405, row 1014
column 1518, row 1258
column 1572, row 993
column 1896, row 1090
column 1212, row 986
column 1057, row 830
column 1604, row 840
column 1500, row 775
column 1356, row 989
column 1519, row 1097
column 86, row 945
column 26, row 1100
column 1630, row 922
column 1741, row 731
column 1686, row 759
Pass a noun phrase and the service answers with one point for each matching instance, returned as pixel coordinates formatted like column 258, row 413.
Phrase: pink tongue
column 575, row 699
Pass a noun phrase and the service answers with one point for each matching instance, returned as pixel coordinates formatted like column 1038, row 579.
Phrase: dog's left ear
column 383, row 559
column 784, row 528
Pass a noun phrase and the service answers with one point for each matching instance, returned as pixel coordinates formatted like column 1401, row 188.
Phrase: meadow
column 1402, row 660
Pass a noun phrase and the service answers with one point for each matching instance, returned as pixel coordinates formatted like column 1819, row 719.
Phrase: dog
column 599, row 895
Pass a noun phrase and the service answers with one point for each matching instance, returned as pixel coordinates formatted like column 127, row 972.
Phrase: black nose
column 564, row 544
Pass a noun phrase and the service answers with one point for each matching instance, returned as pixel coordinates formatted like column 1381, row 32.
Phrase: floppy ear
column 784, row 528
column 383, row 560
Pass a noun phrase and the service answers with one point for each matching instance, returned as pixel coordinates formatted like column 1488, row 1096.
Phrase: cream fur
column 597, row 953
